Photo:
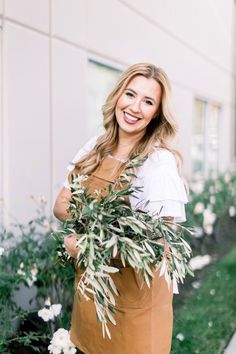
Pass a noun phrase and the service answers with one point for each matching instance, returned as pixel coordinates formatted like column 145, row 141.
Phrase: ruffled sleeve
column 163, row 188
column 83, row 151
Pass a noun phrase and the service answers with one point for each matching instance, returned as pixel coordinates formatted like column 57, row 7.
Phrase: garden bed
column 207, row 320
column 217, row 246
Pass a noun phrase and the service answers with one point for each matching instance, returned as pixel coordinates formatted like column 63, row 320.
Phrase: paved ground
column 231, row 349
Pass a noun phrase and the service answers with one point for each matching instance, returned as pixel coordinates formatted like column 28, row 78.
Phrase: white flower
column 208, row 229
column 227, row 177
column 53, row 349
column 208, row 217
column 198, row 232
column 29, row 281
column 34, row 271
column 199, row 208
column 180, row 336
column 56, row 309
column 212, row 199
column 208, row 220
column 61, row 341
column 210, row 324
column 196, row 284
column 51, row 313
column 70, row 350
column 46, row 314
column 232, row 211
column 1, row 251
column 47, row 301
column 212, row 292
column 21, row 265
column 200, row 262
column 197, row 187
column 20, row 272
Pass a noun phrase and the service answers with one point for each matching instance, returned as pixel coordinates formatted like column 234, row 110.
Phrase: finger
column 68, row 237
column 70, row 244
column 68, row 251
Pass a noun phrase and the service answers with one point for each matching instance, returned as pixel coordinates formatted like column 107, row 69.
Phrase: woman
column 137, row 121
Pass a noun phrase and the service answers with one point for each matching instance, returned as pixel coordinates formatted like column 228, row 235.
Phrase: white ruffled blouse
column 160, row 181
column 162, row 187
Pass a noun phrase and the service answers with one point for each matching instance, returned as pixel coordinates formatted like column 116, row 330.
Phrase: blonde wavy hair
column 161, row 129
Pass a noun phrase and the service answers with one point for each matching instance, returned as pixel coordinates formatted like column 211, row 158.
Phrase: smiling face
column 138, row 104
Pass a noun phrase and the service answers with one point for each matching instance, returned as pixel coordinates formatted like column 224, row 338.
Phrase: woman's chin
column 130, row 130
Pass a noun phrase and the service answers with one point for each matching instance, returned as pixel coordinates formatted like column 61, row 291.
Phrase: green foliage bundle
column 107, row 228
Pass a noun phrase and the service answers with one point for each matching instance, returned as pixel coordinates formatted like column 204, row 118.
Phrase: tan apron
column 144, row 316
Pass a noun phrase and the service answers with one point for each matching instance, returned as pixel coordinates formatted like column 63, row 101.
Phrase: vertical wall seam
column 1, row 118
column 51, row 159
column 234, row 86
column 5, row 137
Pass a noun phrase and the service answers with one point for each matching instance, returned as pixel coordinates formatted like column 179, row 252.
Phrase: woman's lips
column 130, row 119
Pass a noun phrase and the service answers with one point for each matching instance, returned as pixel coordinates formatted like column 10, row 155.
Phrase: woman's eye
column 149, row 102
column 129, row 94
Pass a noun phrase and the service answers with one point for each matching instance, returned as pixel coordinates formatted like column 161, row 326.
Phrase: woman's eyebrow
column 150, row 98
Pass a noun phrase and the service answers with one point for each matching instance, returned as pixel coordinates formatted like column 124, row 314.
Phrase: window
column 101, row 80
column 212, row 137
column 205, row 142
column 198, row 137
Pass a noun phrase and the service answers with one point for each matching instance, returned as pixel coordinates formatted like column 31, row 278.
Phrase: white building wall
column 45, row 47
column 1, row 112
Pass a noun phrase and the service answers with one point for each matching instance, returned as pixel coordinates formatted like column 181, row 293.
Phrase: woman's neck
column 126, row 142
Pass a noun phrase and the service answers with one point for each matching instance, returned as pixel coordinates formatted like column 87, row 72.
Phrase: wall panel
column 33, row 13
column 27, row 109
column 69, row 82
column 69, row 20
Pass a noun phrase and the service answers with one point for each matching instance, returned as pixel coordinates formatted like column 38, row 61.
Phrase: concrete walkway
column 231, row 349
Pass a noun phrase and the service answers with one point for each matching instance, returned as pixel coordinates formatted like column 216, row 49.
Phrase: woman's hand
column 61, row 205
column 70, row 245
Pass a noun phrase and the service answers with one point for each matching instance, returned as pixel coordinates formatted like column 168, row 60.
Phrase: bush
column 207, row 320
column 29, row 258
column 211, row 203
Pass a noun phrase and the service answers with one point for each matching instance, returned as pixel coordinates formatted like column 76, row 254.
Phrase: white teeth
column 130, row 117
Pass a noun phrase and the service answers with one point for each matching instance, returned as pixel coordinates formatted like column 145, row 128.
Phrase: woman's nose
column 135, row 105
